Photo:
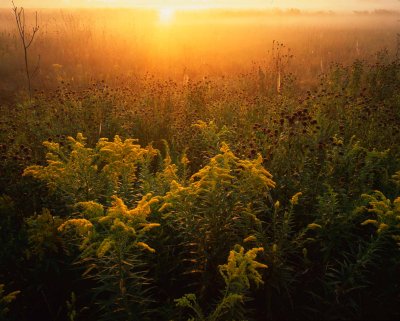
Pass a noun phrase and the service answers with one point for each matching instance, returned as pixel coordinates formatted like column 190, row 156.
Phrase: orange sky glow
column 336, row 5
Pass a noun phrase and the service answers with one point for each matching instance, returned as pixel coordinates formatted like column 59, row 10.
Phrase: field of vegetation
column 187, row 171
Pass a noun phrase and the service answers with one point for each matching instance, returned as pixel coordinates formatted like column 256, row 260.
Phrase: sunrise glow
column 166, row 14
column 339, row 5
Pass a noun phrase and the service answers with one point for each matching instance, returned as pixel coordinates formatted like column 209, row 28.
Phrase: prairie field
column 213, row 164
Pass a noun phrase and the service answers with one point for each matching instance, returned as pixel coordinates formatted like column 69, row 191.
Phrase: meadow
column 215, row 165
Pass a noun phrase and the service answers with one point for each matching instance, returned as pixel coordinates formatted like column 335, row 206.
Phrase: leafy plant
column 42, row 235
column 112, row 243
column 5, row 300
column 238, row 272
column 384, row 214
column 79, row 173
column 219, row 207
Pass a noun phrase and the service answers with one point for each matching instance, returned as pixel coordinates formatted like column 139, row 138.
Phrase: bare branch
column 26, row 39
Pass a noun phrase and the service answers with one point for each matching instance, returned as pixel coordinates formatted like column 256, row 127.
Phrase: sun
column 166, row 14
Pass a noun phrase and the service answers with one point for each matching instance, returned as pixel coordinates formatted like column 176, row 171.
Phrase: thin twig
column 19, row 15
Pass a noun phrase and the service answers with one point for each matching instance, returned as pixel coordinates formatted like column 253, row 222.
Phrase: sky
column 336, row 5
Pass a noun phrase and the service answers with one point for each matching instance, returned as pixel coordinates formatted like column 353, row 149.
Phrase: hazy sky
column 301, row 4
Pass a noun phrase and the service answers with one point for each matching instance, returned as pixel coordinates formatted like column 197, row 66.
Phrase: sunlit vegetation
column 185, row 177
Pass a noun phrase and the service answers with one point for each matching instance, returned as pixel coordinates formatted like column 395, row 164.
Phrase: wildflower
column 242, row 267
column 314, row 226
column 295, row 198
column 149, row 226
column 146, row 247
column 120, row 227
column 382, row 227
column 185, row 160
column 250, row 238
column 81, row 225
column 91, row 209
column 165, row 206
column 104, row 248
column 366, row 222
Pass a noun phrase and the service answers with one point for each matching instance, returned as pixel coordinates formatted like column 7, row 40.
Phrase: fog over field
column 101, row 43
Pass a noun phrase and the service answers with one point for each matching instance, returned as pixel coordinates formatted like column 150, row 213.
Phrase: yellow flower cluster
column 104, row 247
column 86, row 173
column 6, row 299
column 81, row 225
column 250, row 238
column 42, row 234
column 241, row 268
column 117, row 227
column 314, row 226
column 91, row 209
column 120, row 210
column 295, row 198
column 168, row 174
column 386, row 214
column 244, row 184
column 227, row 169
column 121, row 158
column 396, row 177
column 145, row 246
